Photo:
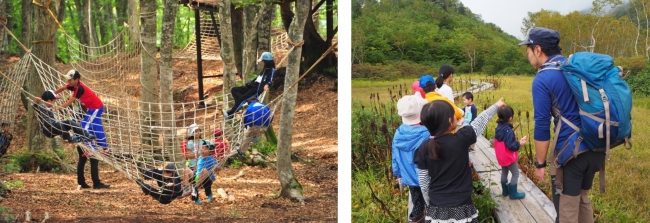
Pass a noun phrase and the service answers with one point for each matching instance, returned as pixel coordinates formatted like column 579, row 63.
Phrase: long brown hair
column 435, row 116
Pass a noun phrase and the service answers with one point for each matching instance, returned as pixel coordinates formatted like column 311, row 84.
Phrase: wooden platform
column 535, row 207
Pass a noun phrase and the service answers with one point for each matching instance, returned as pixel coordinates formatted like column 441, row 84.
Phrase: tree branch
column 383, row 206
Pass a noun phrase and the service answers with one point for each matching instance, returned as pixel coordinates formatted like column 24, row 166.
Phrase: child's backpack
column 257, row 114
column 184, row 148
column 505, row 157
column 220, row 149
column 605, row 102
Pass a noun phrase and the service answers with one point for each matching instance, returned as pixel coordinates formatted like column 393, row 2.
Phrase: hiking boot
column 198, row 202
column 210, row 198
column 504, row 187
column 512, row 188
column 85, row 186
column 101, row 186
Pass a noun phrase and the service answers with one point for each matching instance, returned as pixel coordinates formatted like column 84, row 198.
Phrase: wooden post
column 199, row 59
column 330, row 28
column 216, row 27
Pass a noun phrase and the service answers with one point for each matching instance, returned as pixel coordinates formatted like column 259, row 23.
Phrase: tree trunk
column 3, row 13
column 227, row 51
column 149, row 73
column 238, row 34
column 314, row 44
column 330, row 31
column 264, row 32
column 134, row 27
column 59, row 16
column 121, row 7
column 316, row 16
column 166, row 71
column 291, row 188
column 26, row 15
column 249, row 54
column 83, row 29
column 46, row 28
column 109, row 20
column 92, row 34
column 74, row 20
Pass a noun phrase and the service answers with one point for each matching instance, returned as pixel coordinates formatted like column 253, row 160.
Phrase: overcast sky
column 509, row 14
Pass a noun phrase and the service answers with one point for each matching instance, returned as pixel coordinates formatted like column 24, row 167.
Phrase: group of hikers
column 201, row 155
column 431, row 148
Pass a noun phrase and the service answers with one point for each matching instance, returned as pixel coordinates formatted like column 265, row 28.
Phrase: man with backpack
column 575, row 151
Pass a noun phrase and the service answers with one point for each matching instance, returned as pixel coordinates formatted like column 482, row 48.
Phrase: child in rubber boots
column 506, row 148
column 169, row 183
column 204, row 176
column 406, row 140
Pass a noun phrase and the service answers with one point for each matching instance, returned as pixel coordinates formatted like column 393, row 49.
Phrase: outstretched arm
column 66, row 104
column 481, row 121
column 60, row 89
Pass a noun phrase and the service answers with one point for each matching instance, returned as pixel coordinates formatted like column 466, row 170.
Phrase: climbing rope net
column 135, row 131
column 210, row 43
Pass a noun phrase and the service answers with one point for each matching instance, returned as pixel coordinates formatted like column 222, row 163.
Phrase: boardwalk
column 535, row 207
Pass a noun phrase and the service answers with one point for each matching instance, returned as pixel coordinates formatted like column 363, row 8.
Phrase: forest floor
column 256, row 193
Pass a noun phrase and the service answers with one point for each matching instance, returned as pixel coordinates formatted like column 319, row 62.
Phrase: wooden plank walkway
column 535, row 207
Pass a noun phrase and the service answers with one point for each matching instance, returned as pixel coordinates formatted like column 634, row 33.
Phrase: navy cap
column 49, row 95
column 170, row 167
column 542, row 36
column 426, row 78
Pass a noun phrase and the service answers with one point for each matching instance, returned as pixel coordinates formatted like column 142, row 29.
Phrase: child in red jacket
column 220, row 145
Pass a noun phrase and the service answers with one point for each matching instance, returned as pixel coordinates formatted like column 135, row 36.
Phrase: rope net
column 135, row 131
column 139, row 135
column 210, row 43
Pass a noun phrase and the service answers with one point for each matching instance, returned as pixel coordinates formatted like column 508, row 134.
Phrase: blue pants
column 93, row 123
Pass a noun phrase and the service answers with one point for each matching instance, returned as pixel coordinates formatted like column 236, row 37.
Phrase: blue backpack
column 257, row 114
column 605, row 102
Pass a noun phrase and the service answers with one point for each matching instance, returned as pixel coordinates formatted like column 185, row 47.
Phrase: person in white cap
column 253, row 88
column 406, row 140
column 51, row 126
column 195, row 140
column 92, row 121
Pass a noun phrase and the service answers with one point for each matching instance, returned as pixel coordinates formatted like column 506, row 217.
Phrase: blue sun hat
column 425, row 79
column 265, row 56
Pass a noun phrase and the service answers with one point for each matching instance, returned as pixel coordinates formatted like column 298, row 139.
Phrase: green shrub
column 410, row 69
column 632, row 64
column 639, row 83
column 30, row 161
column 374, row 71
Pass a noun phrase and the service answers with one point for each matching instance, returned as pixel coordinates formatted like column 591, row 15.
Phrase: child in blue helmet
column 261, row 83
